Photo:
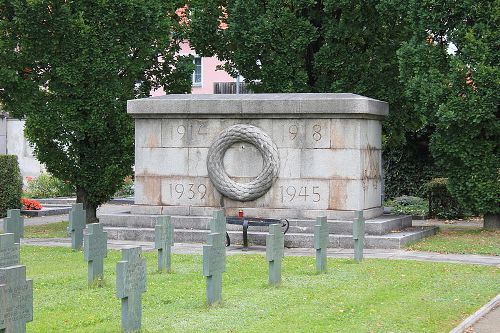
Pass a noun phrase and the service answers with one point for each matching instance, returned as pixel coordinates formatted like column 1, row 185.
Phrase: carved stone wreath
column 261, row 184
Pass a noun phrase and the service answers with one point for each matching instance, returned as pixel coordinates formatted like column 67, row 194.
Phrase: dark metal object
column 253, row 221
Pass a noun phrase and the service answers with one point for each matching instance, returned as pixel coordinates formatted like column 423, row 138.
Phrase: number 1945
column 302, row 193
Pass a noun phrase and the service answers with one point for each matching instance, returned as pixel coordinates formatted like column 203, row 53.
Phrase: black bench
column 253, row 221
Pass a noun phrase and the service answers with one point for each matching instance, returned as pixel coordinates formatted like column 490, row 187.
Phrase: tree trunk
column 491, row 222
column 90, row 208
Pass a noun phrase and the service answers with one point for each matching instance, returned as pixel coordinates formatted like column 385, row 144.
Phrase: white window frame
column 197, row 84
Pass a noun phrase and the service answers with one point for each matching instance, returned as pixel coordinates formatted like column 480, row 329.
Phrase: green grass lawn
column 461, row 240
column 374, row 296
column 52, row 230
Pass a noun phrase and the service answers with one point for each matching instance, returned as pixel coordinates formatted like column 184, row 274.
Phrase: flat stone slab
column 47, row 211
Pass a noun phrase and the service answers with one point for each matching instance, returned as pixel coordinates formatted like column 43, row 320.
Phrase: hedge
column 11, row 184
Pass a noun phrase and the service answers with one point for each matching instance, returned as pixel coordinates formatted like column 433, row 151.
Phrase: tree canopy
column 397, row 51
column 68, row 68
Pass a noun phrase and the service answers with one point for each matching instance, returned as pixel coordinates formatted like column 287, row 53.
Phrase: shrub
column 48, row 186
column 441, row 203
column 31, row 204
column 127, row 188
column 10, row 184
column 409, row 205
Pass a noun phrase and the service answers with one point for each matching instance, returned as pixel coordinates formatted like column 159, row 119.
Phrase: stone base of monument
column 386, row 231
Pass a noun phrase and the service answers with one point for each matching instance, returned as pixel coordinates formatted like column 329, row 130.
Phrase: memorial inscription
column 9, row 250
column 325, row 149
column 16, row 295
column 130, row 284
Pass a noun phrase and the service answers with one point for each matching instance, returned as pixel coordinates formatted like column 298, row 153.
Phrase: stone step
column 393, row 240
column 377, row 226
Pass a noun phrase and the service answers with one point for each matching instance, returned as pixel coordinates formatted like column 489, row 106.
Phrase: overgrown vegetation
column 373, row 296
column 441, row 203
column 48, row 186
column 10, row 184
column 408, row 205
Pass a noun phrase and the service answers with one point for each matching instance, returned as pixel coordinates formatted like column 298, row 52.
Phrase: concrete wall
column 329, row 147
column 13, row 142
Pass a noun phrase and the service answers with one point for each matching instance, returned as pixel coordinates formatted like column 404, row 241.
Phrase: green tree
column 450, row 70
column 68, row 68
column 309, row 46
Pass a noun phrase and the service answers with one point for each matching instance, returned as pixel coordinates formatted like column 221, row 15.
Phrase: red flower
column 30, row 204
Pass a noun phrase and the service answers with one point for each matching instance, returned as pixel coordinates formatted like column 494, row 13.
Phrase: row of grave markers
column 16, row 292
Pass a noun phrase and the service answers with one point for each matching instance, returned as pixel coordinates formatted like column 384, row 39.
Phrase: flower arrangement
column 30, row 204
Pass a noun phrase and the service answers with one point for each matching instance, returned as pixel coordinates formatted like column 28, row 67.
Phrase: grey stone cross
column 218, row 222
column 16, row 295
column 358, row 234
column 214, row 264
column 14, row 224
column 130, row 284
column 94, row 250
column 164, row 240
column 77, row 220
column 275, row 249
column 9, row 251
column 321, row 243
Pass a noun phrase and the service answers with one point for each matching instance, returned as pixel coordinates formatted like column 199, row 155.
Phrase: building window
column 197, row 72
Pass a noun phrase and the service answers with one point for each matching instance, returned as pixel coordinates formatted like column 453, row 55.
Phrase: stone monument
column 14, row 223
column 272, row 155
column 16, row 295
column 130, row 285
column 77, row 221
column 9, row 251
column 164, row 240
column 94, row 250
column 321, row 243
column 214, row 264
column 358, row 235
column 275, row 247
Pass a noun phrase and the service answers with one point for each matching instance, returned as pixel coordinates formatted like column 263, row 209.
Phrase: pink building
column 205, row 73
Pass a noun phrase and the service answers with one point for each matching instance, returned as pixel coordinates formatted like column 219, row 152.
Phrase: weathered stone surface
column 130, row 284
column 164, row 240
column 328, row 144
column 321, row 243
column 9, row 250
column 95, row 249
column 14, row 224
column 16, row 299
column 358, row 235
column 275, row 249
column 214, row 264
column 77, row 221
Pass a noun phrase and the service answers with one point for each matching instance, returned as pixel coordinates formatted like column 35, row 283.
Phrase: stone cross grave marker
column 214, row 264
column 164, row 240
column 14, row 224
column 275, row 249
column 358, row 234
column 9, row 251
column 16, row 295
column 77, row 218
column 321, row 243
column 95, row 248
column 218, row 222
column 130, row 284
